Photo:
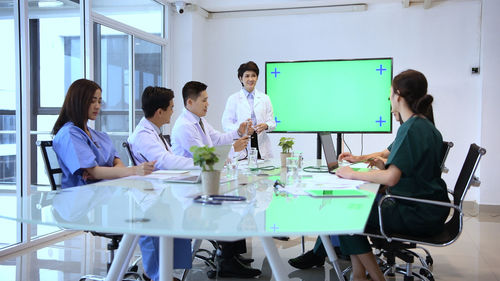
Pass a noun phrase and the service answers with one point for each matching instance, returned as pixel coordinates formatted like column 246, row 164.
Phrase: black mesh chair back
column 466, row 177
column 447, row 145
column 54, row 172
column 129, row 152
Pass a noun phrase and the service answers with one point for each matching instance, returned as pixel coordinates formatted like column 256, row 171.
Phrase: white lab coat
column 238, row 110
column 146, row 141
column 187, row 132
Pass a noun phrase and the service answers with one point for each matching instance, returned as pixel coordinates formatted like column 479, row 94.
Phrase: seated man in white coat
column 147, row 142
column 250, row 103
column 191, row 129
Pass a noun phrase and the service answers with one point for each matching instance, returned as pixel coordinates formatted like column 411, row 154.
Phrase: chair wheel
column 211, row 274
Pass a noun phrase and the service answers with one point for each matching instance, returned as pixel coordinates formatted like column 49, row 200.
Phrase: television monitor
column 338, row 96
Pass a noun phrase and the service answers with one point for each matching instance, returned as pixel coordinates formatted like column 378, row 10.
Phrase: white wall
column 490, row 127
column 443, row 42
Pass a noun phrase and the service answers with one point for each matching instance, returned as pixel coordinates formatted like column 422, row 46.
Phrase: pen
column 144, row 157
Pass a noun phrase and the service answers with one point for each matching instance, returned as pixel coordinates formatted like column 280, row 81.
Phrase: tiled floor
column 475, row 256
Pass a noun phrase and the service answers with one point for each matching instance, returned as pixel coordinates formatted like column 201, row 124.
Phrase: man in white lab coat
column 191, row 129
column 250, row 103
column 147, row 142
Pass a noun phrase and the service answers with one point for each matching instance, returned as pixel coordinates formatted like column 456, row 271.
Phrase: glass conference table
column 151, row 206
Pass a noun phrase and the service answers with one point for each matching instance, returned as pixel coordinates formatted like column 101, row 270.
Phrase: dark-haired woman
column 251, row 104
column 86, row 155
column 412, row 169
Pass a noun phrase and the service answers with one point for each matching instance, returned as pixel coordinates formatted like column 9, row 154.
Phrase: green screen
column 331, row 96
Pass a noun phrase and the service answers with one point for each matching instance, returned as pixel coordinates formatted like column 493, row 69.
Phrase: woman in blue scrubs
column 86, row 155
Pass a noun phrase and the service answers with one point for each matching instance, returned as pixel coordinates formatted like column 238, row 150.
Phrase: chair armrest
column 424, row 201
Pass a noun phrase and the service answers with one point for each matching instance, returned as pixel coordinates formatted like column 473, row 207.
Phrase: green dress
column 416, row 151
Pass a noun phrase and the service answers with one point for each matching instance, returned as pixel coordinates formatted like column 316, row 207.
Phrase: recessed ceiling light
column 50, row 4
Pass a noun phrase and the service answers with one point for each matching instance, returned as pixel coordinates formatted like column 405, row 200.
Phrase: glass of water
column 298, row 154
column 292, row 170
column 232, row 168
column 252, row 158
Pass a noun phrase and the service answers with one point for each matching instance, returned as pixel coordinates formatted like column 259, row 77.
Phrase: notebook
column 221, row 151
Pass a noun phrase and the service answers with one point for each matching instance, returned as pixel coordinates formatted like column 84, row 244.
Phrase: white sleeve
column 271, row 123
column 229, row 117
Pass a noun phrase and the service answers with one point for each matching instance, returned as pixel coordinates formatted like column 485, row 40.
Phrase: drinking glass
column 292, row 170
column 252, row 158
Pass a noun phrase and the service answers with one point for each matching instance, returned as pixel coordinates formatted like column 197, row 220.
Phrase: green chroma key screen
column 331, row 95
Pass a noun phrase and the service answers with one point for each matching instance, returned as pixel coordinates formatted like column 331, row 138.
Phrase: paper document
column 169, row 172
column 321, row 182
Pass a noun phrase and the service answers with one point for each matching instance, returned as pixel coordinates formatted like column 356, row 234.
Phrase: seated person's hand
column 345, row 172
column 240, row 144
column 251, row 129
column 87, row 176
column 378, row 162
column 349, row 157
column 145, row 168
column 261, row 127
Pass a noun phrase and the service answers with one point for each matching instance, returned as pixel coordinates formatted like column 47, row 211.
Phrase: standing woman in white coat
column 250, row 103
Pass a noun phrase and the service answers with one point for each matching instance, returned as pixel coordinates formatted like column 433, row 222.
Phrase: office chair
column 129, row 152
column 399, row 245
column 447, row 145
column 54, row 173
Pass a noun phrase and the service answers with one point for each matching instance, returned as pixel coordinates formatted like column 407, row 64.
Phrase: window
column 8, row 141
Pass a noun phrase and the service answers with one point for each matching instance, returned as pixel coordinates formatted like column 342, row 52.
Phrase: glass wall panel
column 148, row 71
column 8, row 141
column 55, row 62
column 146, row 15
column 112, row 62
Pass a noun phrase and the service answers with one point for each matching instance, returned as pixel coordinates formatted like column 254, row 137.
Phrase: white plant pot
column 210, row 181
column 283, row 158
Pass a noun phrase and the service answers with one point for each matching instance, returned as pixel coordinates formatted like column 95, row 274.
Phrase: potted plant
column 286, row 146
column 205, row 157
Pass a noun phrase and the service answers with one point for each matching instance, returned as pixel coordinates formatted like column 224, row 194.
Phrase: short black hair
column 248, row 66
column 154, row 98
column 192, row 90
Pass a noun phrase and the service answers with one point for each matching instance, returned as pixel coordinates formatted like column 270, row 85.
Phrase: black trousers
column 231, row 249
column 254, row 142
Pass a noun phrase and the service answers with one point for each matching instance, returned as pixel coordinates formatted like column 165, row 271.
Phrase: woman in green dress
column 412, row 169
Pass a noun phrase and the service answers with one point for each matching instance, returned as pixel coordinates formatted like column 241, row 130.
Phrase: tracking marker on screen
column 276, row 120
column 380, row 121
column 381, row 69
column 274, row 227
column 275, row 72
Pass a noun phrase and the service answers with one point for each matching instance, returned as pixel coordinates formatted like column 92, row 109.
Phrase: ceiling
column 239, row 5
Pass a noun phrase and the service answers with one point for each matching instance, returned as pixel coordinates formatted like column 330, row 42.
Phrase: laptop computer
column 222, row 151
column 330, row 155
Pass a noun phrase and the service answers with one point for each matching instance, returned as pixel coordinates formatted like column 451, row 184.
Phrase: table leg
column 166, row 258
column 332, row 256
column 274, row 259
column 122, row 258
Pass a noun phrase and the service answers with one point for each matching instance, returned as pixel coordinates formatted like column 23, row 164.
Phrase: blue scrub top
column 76, row 152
